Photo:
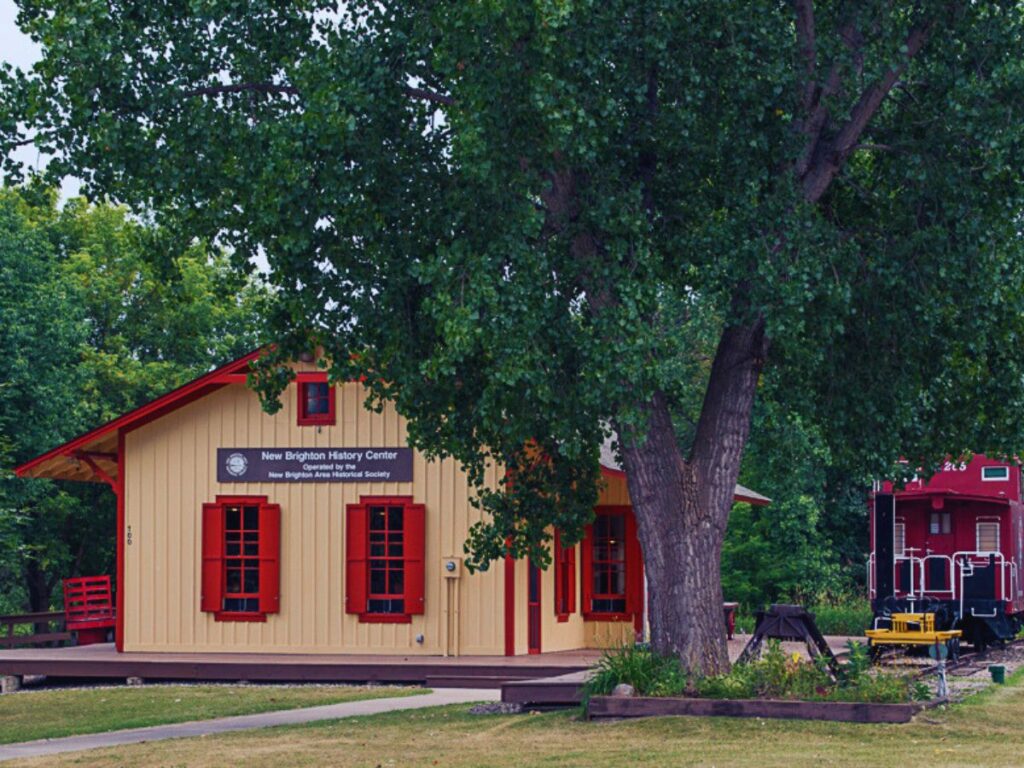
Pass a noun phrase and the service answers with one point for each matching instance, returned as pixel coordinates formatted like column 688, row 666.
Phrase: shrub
column 848, row 617
column 774, row 676
column 638, row 666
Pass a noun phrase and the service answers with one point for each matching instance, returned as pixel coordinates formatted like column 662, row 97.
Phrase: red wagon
column 89, row 609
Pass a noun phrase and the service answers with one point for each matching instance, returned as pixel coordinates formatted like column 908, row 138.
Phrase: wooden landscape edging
column 839, row 711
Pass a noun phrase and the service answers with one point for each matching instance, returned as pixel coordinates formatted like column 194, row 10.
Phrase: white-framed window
column 899, row 538
column 995, row 474
column 987, row 536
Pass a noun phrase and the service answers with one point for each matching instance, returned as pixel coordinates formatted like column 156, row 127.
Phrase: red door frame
column 533, row 602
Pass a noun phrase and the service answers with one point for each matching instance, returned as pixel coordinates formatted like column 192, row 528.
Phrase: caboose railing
column 958, row 567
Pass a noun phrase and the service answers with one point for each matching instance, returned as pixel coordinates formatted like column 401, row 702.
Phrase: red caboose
column 952, row 545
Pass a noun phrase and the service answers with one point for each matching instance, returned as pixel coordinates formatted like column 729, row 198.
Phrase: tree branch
column 431, row 96
column 291, row 90
column 817, row 178
column 808, row 47
column 216, row 90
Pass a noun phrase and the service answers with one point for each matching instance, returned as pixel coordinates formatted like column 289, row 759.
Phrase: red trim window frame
column 241, row 551
column 565, row 579
column 316, row 404
column 384, row 569
column 612, row 568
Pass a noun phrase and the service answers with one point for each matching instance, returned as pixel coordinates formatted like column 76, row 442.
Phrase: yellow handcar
column 915, row 629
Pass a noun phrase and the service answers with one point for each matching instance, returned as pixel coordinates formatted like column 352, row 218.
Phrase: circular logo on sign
column 236, row 464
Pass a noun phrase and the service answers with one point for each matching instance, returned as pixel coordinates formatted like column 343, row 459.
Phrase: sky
column 17, row 49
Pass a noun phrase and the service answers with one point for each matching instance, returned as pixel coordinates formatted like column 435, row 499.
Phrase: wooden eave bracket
column 90, row 460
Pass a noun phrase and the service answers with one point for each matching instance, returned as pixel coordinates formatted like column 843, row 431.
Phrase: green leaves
column 99, row 315
column 524, row 219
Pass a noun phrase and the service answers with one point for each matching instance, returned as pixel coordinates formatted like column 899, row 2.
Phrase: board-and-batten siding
column 170, row 472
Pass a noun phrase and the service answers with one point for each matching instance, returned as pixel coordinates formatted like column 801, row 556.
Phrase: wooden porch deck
column 102, row 661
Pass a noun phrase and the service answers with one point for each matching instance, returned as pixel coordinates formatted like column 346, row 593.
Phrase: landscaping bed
column 635, row 682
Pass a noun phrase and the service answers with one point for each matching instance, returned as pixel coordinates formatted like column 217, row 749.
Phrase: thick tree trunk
column 39, row 590
column 682, row 506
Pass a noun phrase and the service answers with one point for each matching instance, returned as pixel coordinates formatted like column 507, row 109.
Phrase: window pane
column 378, row 579
column 252, row 580
column 377, row 520
column 988, row 537
column 385, row 606
column 395, row 518
column 252, row 518
column 233, row 518
column 316, row 398
column 396, row 581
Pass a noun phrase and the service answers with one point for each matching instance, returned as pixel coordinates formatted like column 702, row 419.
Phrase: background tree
column 509, row 210
column 92, row 326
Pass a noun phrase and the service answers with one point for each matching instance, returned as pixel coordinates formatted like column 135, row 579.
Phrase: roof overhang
column 92, row 457
column 942, row 495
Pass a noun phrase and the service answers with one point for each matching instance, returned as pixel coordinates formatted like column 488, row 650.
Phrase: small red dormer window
column 316, row 399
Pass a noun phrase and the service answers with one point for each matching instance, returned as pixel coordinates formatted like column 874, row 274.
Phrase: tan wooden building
column 318, row 530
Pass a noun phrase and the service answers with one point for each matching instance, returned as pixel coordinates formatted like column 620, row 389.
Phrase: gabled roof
column 610, row 467
column 92, row 455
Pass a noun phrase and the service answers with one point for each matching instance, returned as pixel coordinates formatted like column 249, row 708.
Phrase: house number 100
column 129, row 536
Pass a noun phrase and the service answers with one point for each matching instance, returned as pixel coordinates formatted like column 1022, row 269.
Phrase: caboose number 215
column 953, row 546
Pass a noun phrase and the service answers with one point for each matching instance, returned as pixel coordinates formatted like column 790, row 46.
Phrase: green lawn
column 987, row 731
column 47, row 714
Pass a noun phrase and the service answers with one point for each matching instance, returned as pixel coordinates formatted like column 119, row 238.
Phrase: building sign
column 314, row 465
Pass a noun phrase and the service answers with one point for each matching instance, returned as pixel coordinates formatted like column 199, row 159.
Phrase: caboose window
column 987, row 536
column 995, row 474
column 899, row 538
column 939, row 523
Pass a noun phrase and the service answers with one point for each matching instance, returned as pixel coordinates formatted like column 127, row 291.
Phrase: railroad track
column 969, row 663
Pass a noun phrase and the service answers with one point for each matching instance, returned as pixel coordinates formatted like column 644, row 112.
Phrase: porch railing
column 33, row 629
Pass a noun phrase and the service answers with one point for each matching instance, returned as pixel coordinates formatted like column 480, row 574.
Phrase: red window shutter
column 570, row 556
column 634, row 569
column 270, row 556
column 559, row 558
column 587, row 560
column 415, row 545
column 213, row 558
column 357, row 526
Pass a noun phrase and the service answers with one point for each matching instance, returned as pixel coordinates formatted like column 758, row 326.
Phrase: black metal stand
column 791, row 623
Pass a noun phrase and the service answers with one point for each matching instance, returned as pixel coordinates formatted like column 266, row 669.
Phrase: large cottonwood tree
column 523, row 218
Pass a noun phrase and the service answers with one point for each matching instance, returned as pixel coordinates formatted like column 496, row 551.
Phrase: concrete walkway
column 436, row 698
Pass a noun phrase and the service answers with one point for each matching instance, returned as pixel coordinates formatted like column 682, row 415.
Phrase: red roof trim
column 161, row 405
